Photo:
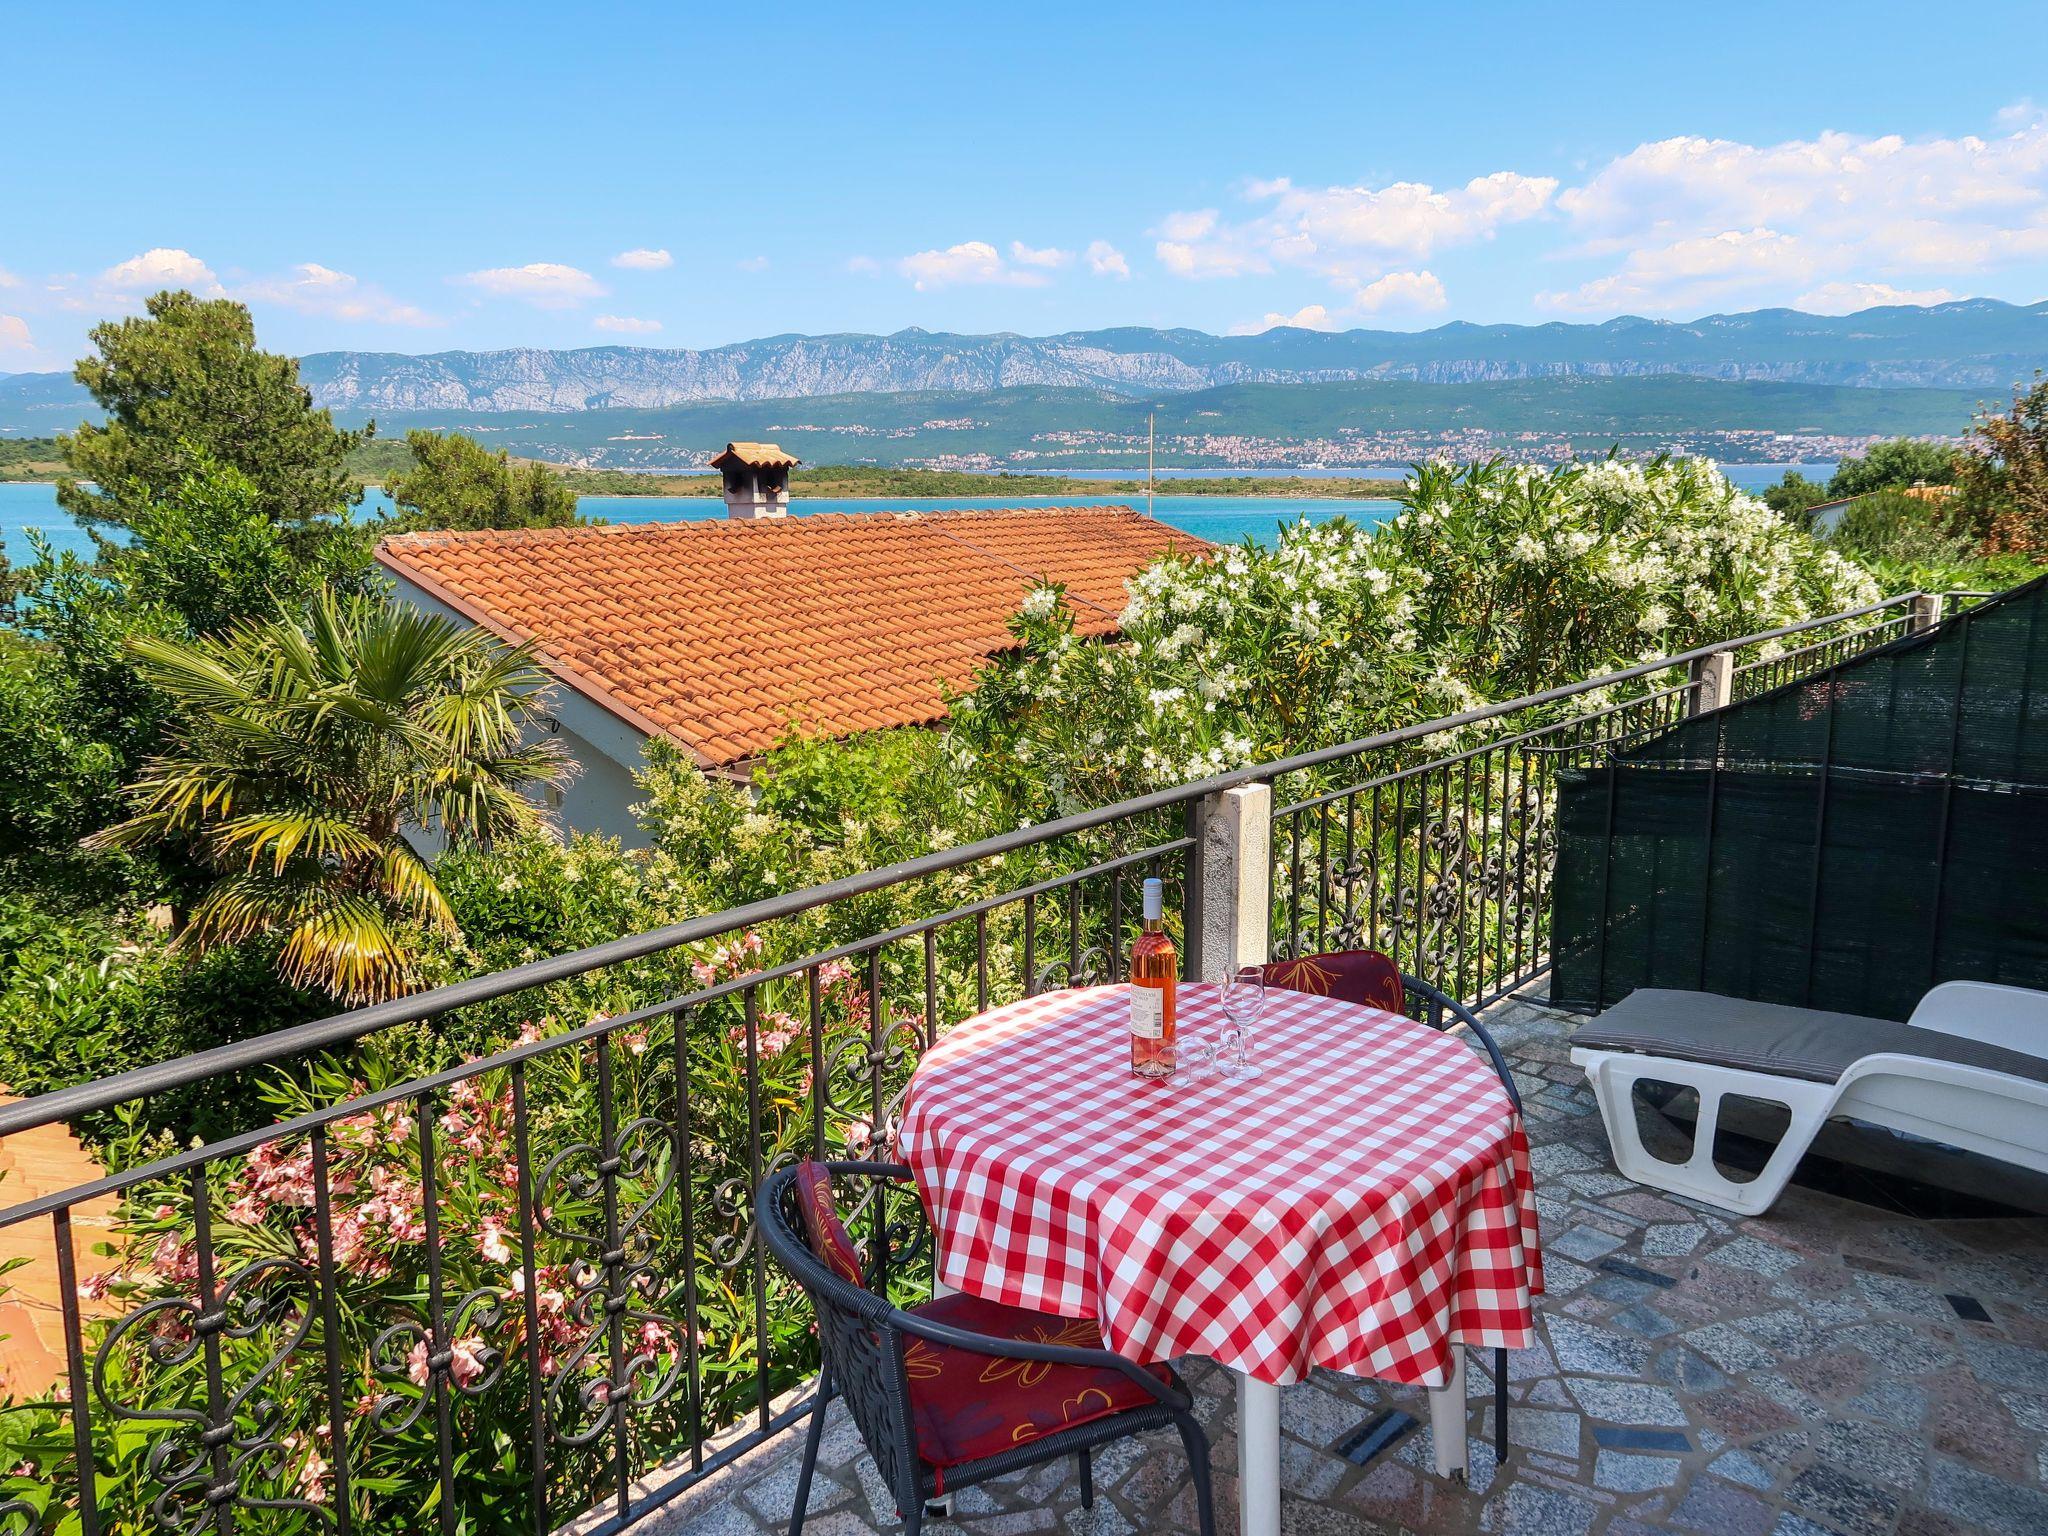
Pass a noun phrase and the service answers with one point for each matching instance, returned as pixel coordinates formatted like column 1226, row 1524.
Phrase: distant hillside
column 1354, row 424
column 1975, row 344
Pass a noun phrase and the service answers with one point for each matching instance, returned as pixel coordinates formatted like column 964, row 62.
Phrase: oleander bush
column 1491, row 582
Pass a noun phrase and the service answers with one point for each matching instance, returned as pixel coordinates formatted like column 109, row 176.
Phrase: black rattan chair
column 888, row 1362
column 1369, row 977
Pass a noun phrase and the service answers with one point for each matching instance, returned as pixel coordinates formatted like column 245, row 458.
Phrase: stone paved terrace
column 1830, row 1367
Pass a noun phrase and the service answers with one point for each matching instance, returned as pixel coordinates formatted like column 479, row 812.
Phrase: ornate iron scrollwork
column 611, row 1279
column 1089, row 969
column 228, row 1452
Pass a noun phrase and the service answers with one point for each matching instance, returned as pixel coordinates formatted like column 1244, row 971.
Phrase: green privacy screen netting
column 1843, row 842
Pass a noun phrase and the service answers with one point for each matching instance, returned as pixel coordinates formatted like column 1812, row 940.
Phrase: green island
column 875, row 480
column 380, row 459
column 29, row 458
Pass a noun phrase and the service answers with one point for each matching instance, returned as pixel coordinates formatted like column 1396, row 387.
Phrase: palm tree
column 301, row 751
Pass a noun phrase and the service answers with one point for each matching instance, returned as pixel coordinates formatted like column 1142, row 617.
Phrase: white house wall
column 607, row 750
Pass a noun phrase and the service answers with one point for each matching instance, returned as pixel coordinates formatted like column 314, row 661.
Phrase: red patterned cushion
column 830, row 1240
column 965, row 1406
column 1349, row 975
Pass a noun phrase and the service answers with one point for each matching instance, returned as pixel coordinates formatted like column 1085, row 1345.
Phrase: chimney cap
column 755, row 456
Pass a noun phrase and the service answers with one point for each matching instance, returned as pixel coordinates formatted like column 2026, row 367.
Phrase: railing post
column 1236, row 860
column 1713, row 683
column 1926, row 612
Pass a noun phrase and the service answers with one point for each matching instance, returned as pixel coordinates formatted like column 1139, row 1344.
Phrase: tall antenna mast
column 1151, row 417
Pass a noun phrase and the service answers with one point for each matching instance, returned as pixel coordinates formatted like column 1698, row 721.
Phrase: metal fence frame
column 1374, row 845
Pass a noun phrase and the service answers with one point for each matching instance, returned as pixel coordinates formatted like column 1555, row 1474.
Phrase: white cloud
column 1105, row 260
column 1421, row 292
column 1349, row 234
column 8, row 279
column 1417, row 292
column 865, row 265
column 643, row 260
column 1838, row 209
column 313, row 289
column 1310, row 317
column 1847, row 298
column 160, row 267
column 627, row 324
column 1051, row 257
column 543, row 284
column 14, row 335
column 1693, row 273
column 972, row 261
column 752, row 264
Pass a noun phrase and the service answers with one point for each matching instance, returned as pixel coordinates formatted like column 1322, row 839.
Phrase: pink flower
column 705, row 972
column 466, row 1363
column 859, row 1135
column 832, row 972
column 655, row 1340
column 95, row 1287
column 164, row 1213
column 491, row 1241
column 635, row 1041
column 175, row 1260
column 312, row 1479
column 247, row 1211
column 416, row 1364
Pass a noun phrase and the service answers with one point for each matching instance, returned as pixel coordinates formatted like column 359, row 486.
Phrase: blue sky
column 422, row 177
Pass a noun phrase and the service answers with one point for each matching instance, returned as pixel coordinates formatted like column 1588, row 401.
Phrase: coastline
column 623, row 483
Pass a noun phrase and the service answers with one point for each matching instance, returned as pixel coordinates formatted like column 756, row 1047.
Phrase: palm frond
column 349, row 947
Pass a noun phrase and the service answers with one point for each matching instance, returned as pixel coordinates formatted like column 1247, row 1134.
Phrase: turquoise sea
column 1219, row 519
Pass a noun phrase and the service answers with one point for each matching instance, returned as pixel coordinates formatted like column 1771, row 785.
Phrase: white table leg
column 1447, row 1420
column 1258, row 1457
column 940, row 1508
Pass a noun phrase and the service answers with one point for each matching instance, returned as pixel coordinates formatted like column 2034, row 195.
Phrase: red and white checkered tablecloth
column 1363, row 1205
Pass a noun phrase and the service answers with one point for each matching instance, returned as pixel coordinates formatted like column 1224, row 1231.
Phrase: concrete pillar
column 1926, row 612
column 1236, row 861
column 1714, row 678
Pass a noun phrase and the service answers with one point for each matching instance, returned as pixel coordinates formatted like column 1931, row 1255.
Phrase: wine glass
column 1242, row 993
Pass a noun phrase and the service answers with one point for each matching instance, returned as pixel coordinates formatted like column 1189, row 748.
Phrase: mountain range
column 1971, row 344
column 1723, row 384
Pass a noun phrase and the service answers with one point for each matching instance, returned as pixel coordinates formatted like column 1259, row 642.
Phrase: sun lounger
column 1969, row 1070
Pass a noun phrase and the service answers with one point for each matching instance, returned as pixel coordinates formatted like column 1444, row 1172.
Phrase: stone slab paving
column 1828, row 1368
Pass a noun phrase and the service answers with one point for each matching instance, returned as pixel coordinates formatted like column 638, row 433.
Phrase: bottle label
column 1148, row 1013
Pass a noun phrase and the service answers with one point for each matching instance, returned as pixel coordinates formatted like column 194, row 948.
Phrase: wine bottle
column 1154, row 973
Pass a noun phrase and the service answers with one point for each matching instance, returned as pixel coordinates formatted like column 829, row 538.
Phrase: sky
column 429, row 177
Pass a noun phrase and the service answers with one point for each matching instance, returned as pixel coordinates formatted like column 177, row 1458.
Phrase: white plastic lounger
column 1969, row 1070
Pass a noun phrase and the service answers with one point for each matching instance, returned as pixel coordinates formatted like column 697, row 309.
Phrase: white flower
column 1039, row 603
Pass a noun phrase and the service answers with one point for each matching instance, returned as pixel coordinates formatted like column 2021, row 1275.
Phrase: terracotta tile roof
column 758, row 455
column 719, row 633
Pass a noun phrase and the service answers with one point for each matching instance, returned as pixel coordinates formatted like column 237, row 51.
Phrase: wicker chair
column 1366, row 976
column 958, row 1390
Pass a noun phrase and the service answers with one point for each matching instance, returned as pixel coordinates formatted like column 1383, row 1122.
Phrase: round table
column 1365, row 1204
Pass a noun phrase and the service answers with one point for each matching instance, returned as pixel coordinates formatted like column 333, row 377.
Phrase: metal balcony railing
column 529, row 1288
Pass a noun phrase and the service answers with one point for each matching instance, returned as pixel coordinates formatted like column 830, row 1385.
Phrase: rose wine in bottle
column 1154, row 971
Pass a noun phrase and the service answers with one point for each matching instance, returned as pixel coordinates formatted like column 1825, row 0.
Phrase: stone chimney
column 756, row 479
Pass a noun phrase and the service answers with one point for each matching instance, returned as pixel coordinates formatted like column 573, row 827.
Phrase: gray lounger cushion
column 1769, row 1037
